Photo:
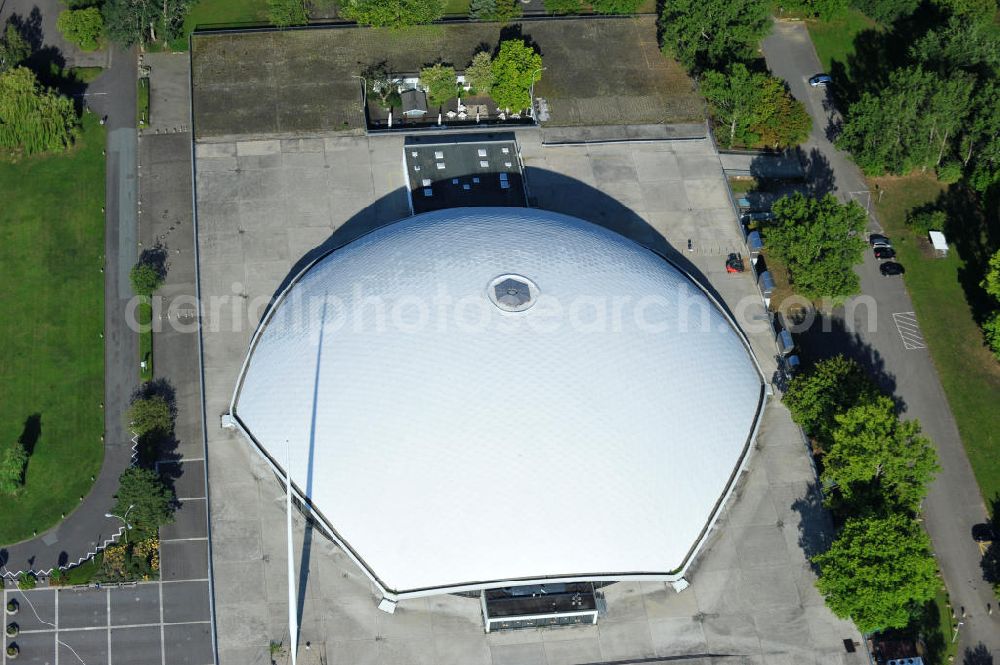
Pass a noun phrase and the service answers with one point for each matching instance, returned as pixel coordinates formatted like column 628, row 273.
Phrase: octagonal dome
column 449, row 443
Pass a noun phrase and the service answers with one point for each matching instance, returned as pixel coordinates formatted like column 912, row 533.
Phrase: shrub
column 991, row 331
column 82, row 27
column 57, row 577
column 145, row 279
column 927, row 219
column 12, row 463
column 26, row 581
column 392, row 13
column 950, row 172
column 149, row 503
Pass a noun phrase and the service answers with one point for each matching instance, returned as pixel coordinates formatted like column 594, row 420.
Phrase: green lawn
column 834, row 39
column 205, row 13
column 85, row 74
column 969, row 373
column 52, row 354
column 144, row 314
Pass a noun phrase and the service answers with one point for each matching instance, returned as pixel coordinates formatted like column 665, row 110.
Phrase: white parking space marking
column 909, row 330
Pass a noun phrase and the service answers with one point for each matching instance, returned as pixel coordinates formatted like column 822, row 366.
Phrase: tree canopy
column 131, row 22
column 150, row 415
column 991, row 282
column 82, row 27
column 34, row 119
column 754, row 109
column 479, row 73
column 145, row 279
column 393, row 13
column 14, row 48
column 615, row 6
column 710, row 34
column 885, row 11
column 820, row 241
column 515, row 68
column 830, row 388
column 150, row 503
column 875, row 453
column 441, row 83
column 878, row 572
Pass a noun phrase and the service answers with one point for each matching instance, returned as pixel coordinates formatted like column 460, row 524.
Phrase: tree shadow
column 820, row 179
column 156, row 258
column 977, row 655
column 29, row 27
column 815, row 524
column 156, row 448
column 31, row 433
column 990, row 561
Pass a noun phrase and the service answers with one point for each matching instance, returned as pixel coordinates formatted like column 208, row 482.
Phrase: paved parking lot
column 267, row 207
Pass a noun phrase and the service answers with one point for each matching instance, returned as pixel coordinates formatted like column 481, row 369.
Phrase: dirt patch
column 598, row 72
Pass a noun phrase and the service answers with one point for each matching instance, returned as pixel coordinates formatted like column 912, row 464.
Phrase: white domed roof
column 483, row 395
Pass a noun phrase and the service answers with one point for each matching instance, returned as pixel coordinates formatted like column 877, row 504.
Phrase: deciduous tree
column 878, row 572
column 150, row 415
column 515, row 68
column 383, row 83
column 150, row 503
column 34, row 119
column 886, row 11
column 710, row 34
column 14, row 48
column 563, row 6
column 145, row 279
column 875, row 453
column 479, row 73
column 820, row 242
column 441, row 83
column 991, row 281
column 393, row 13
column 830, row 388
column 82, row 27
column 754, row 109
column 615, row 6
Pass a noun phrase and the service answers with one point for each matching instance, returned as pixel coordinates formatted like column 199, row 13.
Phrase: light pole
column 124, row 519
column 531, row 90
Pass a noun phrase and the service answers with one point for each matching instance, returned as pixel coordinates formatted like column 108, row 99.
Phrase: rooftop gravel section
column 599, row 71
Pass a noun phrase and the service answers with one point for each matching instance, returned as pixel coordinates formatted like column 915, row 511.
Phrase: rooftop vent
column 513, row 293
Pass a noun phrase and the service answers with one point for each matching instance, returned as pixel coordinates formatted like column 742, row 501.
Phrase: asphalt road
column 112, row 94
column 890, row 344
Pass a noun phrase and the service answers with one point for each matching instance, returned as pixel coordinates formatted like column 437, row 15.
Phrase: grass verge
column 834, row 39
column 142, row 102
column 85, row 74
column 85, row 572
column 969, row 373
column 52, row 355
column 219, row 13
column 144, row 314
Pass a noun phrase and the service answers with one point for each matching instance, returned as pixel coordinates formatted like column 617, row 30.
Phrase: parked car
column 820, row 80
column 890, row 268
column 879, row 240
column 882, row 252
column 983, row 533
column 734, row 263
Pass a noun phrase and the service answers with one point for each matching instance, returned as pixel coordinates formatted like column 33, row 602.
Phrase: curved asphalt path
column 954, row 503
column 113, row 94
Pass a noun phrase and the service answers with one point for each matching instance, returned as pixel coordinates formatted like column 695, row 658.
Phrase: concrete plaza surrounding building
column 266, row 208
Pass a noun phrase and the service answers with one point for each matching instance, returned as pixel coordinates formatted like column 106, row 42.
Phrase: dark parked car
column 734, row 263
column 882, row 253
column 891, row 268
column 878, row 240
column 820, row 80
column 983, row 533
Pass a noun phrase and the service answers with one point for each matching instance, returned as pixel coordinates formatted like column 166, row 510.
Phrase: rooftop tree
column 393, row 13
column 515, row 68
column 711, row 34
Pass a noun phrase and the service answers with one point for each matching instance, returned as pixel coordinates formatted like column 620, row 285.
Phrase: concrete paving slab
column 571, row 652
column 190, row 521
column 188, row 478
column 88, row 646
column 185, row 601
column 38, row 608
column 239, row 582
column 677, row 637
column 135, row 605
column 184, row 560
column 36, row 648
column 518, row 654
column 188, row 644
column 79, row 608
column 136, row 646
column 462, row 651
column 622, row 641
column 357, row 652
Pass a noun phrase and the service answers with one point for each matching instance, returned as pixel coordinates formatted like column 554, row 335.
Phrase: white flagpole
column 293, row 614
